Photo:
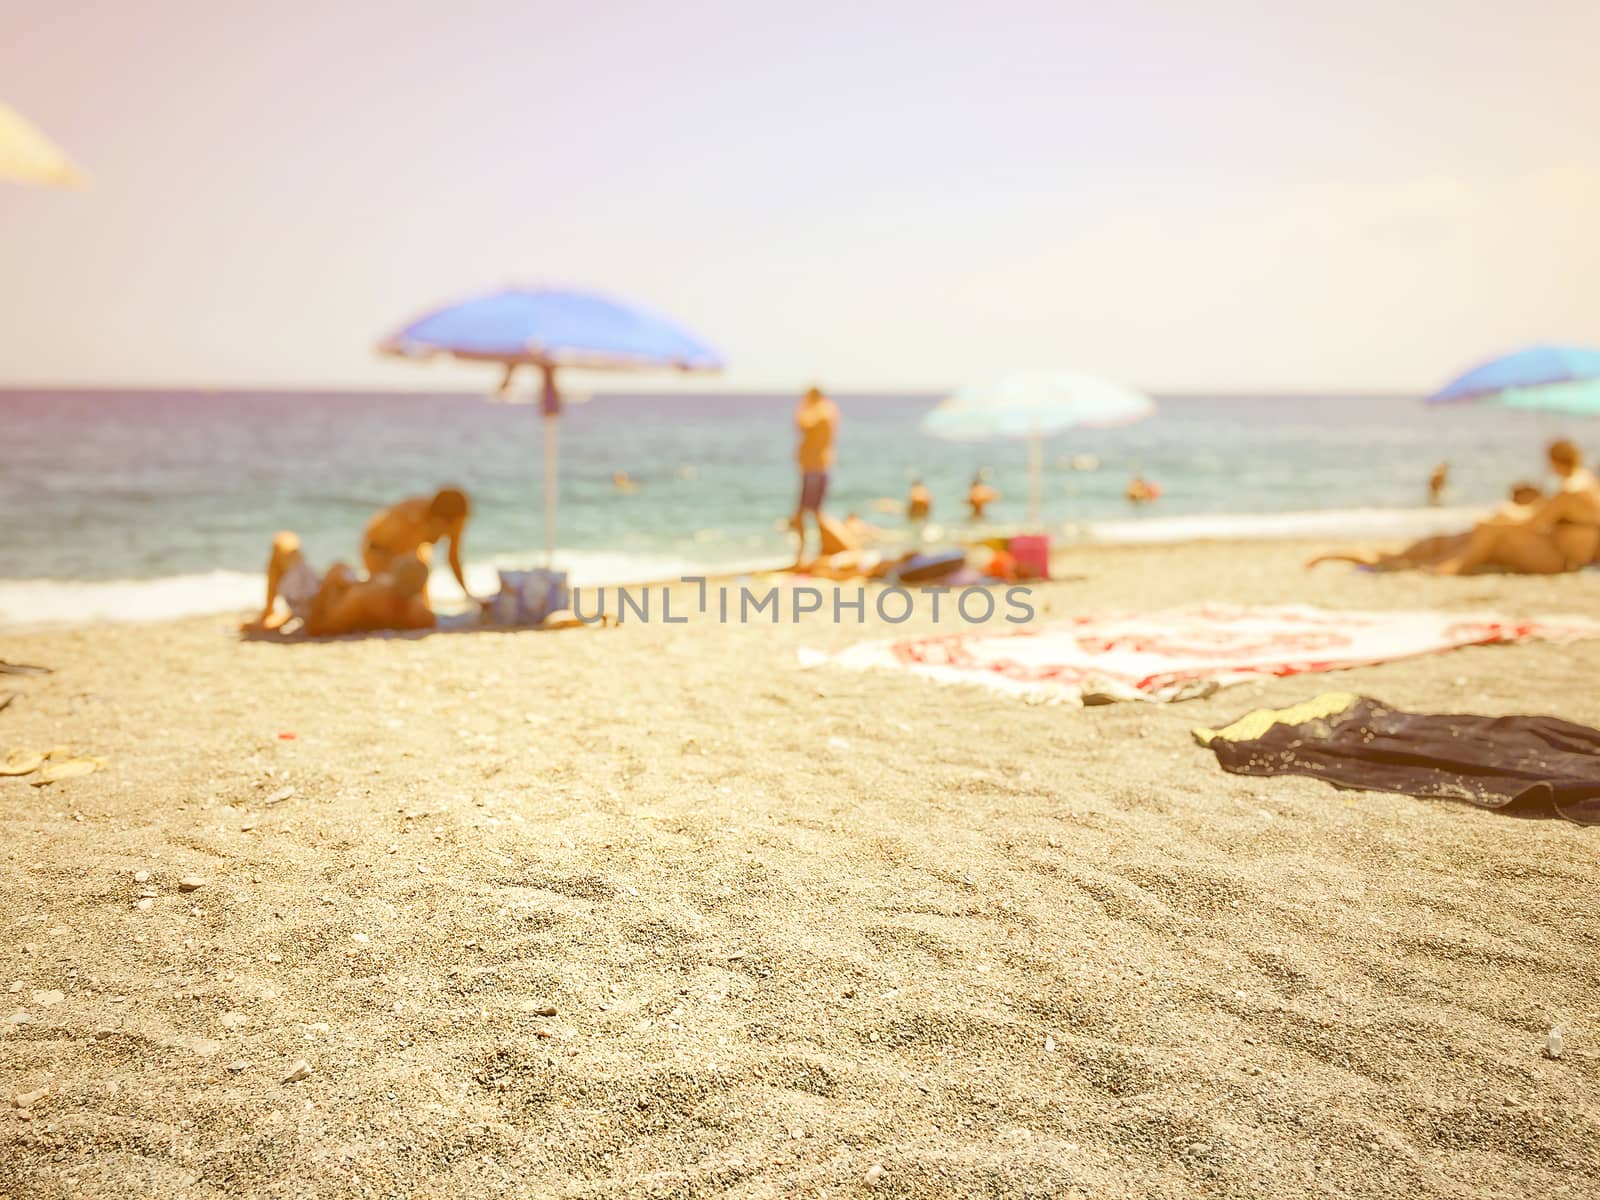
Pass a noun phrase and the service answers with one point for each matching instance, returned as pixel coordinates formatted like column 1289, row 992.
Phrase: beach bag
column 528, row 597
column 1032, row 553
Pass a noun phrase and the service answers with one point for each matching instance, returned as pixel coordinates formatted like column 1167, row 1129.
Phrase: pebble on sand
column 141, row 876
column 29, row 1099
column 299, row 1070
column 874, row 1173
column 191, row 883
column 48, row 999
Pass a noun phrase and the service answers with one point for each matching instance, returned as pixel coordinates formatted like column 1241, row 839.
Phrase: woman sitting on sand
column 1518, row 509
column 1532, row 536
column 1562, row 535
column 862, row 531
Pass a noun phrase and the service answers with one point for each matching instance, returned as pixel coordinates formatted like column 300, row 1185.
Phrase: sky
column 1189, row 195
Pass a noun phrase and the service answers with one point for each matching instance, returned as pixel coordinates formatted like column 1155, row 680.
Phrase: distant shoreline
column 703, row 388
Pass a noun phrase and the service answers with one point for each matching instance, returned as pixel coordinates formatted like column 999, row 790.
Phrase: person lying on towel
column 1562, row 535
column 338, row 602
column 1555, row 535
column 409, row 528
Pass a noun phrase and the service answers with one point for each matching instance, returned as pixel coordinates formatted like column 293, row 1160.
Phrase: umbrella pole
column 552, row 456
column 1035, row 477
column 551, row 403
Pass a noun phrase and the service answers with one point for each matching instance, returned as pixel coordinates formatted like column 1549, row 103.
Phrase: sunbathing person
column 338, row 602
column 857, row 564
column 413, row 527
column 409, row 528
column 1562, row 535
column 863, row 531
column 1517, row 509
column 397, row 599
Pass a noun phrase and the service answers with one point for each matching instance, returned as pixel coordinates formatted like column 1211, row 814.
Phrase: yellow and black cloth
column 1520, row 765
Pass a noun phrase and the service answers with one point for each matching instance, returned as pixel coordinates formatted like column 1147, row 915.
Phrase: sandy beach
column 649, row 911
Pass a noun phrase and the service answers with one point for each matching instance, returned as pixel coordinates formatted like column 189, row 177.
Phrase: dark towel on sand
column 1525, row 766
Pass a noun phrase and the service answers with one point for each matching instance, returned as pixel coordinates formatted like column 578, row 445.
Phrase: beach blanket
column 1524, row 766
column 1188, row 652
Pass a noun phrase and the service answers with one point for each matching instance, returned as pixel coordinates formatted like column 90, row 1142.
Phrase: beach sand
column 650, row 912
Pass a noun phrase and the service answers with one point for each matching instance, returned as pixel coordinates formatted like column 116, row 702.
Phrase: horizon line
column 873, row 393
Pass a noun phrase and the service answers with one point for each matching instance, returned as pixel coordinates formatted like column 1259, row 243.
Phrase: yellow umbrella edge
column 28, row 156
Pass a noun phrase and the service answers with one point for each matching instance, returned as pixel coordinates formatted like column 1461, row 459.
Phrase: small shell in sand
column 70, row 768
column 21, row 762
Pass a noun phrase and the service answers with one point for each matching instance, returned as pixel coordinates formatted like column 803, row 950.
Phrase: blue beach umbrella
column 546, row 329
column 1564, row 379
column 1033, row 405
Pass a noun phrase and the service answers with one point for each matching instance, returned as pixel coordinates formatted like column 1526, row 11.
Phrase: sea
column 138, row 505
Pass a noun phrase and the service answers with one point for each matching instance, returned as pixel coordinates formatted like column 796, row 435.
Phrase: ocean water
column 144, row 504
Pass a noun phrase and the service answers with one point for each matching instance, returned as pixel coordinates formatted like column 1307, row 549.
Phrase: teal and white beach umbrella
column 1034, row 405
column 1550, row 378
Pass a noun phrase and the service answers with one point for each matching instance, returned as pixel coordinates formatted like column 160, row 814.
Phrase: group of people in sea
column 817, row 422
column 1530, row 533
column 396, row 551
column 918, row 504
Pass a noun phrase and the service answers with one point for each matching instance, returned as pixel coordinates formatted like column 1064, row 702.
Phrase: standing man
column 817, row 419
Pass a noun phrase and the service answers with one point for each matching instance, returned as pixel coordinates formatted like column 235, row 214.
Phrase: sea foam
column 32, row 603
column 38, row 603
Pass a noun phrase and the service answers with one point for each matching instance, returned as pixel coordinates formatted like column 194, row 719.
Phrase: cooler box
column 1032, row 552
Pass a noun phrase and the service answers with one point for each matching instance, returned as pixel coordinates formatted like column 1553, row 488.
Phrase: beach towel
column 1521, row 765
column 1183, row 653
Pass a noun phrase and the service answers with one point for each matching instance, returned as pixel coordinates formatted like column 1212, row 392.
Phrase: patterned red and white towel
column 1187, row 652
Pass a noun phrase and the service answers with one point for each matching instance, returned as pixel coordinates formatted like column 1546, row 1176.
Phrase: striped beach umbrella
column 547, row 329
column 1033, row 405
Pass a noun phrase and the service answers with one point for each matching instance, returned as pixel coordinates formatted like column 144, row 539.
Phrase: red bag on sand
column 1032, row 554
